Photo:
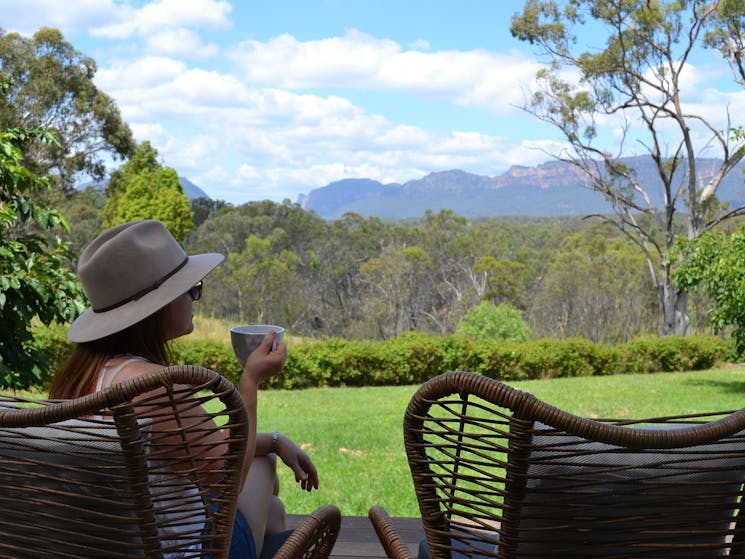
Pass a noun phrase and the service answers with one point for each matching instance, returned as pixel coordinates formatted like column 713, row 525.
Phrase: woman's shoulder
column 130, row 366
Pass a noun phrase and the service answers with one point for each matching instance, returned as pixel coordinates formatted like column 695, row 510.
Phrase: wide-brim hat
column 130, row 272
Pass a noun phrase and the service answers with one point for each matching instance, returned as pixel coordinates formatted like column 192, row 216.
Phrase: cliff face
column 549, row 189
column 546, row 175
column 451, row 181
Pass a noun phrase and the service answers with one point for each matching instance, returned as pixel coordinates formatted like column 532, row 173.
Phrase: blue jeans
column 242, row 545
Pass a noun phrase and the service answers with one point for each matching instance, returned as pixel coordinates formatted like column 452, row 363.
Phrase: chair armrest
column 315, row 537
column 392, row 543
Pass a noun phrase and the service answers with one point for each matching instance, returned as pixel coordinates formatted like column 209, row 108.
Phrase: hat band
column 143, row 292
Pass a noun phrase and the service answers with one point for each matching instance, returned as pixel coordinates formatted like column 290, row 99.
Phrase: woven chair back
column 140, row 469
column 499, row 473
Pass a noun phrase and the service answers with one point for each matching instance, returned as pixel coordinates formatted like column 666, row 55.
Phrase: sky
column 270, row 99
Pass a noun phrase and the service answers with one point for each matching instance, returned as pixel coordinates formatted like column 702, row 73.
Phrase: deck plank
column 357, row 538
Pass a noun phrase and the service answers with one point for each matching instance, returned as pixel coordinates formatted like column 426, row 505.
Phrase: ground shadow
column 731, row 386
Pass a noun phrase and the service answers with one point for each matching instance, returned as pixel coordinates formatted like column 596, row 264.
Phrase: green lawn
column 354, row 434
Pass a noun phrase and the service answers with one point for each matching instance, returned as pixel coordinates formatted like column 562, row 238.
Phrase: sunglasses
column 195, row 292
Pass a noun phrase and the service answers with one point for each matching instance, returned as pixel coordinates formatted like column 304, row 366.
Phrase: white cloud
column 154, row 17
column 181, row 42
column 139, row 74
column 240, row 142
column 72, row 16
column 472, row 78
column 278, row 117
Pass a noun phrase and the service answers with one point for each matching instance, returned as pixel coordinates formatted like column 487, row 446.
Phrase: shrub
column 415, row 357
column 51, row 341
column 674, row 353
column 486, row 322
column 211, row 354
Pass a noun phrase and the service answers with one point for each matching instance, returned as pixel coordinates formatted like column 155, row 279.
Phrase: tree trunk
column 674, row 304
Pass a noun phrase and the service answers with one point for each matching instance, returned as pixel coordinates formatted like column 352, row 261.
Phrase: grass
column 355, row 437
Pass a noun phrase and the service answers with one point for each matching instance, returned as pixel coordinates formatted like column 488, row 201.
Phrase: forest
column 365, row 278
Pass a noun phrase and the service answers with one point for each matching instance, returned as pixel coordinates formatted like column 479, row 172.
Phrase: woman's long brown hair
column 79, row 374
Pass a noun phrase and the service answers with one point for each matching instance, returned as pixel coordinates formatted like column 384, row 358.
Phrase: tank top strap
column 105, row 379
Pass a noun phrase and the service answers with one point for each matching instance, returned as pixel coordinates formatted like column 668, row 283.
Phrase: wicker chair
column 114, row 475
column 499, row 473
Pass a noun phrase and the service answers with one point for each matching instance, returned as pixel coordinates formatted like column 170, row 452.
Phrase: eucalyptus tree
column 395, row 300
column 634, row 83
column 265, row 283
column 345, row 245
column 594, row 287
column 204, row 208
column 52, row 88
column 455, row 285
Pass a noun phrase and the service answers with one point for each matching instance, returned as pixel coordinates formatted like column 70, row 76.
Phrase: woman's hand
column 299, row 462
column 265, row 362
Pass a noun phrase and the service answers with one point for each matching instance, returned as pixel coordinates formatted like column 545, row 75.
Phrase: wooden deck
column 357, row 538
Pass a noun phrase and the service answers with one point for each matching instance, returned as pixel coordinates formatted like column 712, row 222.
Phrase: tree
column 594, row 287
column 52, row 88
column 204, row 208
column 332, row 267
column 83, row 211
column 489, row 322
column 142, row 188
column 454, row 285
column 634, row 82
column 34, row 278
column 716, row 262
column 503, row 280
column 395, row 301
column 263, row 283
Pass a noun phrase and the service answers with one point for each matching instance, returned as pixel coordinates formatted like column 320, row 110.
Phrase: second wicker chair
column 499, row 473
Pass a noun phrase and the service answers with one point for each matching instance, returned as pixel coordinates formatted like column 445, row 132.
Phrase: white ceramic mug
column 248, row 337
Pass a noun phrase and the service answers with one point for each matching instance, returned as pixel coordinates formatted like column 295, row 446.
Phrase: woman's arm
column 292, row 455
column 263, row 363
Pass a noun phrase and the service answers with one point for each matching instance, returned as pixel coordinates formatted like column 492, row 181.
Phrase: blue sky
column 270, row 99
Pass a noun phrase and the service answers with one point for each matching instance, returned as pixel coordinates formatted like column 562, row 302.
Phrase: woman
column 141, row 286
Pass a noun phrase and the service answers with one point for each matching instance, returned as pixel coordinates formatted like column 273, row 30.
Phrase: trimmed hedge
column 413, row 358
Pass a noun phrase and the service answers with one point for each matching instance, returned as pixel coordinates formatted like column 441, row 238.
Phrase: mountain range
column 191, row 190
column 553, row 188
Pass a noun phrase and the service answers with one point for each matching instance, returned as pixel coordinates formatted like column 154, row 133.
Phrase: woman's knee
column 276, row 521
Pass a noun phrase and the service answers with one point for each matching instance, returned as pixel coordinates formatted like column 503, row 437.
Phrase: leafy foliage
column 52, row 88
column 35, row 281
column 365, row 278
column 414, row 357
column 716, row 263
column 144, row 189
column 264, row 272
column 595, row 287
column 204, row 208
column 488, row 322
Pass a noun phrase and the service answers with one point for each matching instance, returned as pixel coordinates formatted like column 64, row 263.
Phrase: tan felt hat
column 131, row 271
